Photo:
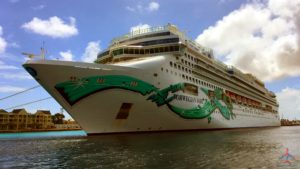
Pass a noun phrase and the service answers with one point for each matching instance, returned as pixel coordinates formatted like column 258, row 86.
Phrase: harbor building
column 20, row 119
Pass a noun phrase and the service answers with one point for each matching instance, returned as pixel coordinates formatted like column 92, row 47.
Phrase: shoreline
column 36, row 130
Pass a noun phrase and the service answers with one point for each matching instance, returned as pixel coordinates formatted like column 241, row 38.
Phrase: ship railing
column 201, row 49
column 169, row 27
column 140, row 32
column 222, row 65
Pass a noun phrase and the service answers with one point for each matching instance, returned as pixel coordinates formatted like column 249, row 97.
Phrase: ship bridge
column 149, row 42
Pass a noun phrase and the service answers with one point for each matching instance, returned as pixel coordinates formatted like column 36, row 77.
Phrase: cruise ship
column 156, row 79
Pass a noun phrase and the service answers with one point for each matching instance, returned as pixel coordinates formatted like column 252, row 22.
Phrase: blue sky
column 77, row 30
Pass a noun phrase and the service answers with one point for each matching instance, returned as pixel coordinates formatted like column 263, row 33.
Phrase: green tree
column 58, row 118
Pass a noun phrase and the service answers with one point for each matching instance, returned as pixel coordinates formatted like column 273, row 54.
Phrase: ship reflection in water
column 240, row 148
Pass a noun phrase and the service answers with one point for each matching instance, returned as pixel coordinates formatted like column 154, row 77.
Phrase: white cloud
column 66, row 56
column 138, row 27
column 262, row 37
column 14, row 1
column 4, row 66
column 13, row 45
column 39, row 7
column 131, row 9
column 53, row 27
column 153, row 6
column 15, row 75
column 150, row 7
column 91, row 51
column 289, row 102
column 3, row 43
column 10, row 89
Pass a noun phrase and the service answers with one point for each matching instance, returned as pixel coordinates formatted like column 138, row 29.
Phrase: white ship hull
column 97, row 112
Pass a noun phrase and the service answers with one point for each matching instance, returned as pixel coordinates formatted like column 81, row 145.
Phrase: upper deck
column 168, row 39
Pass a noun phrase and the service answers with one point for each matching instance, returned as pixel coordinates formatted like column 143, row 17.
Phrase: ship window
column 161, row 49
column 141, row 51
column 171, row 48
column 136, row 51
column 152, row 50
column 167, row 49
column 126, row 51
column 124, row 111
column 155, row 42
column 147, row 51
column 156, row 50
column 176, row 48
column 130, row 51
column 190, row 89
column 103, row 54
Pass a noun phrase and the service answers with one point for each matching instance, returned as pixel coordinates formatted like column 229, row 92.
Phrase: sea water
column 238, row 148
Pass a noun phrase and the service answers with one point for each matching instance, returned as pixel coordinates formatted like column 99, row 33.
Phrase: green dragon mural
column 76, row 89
